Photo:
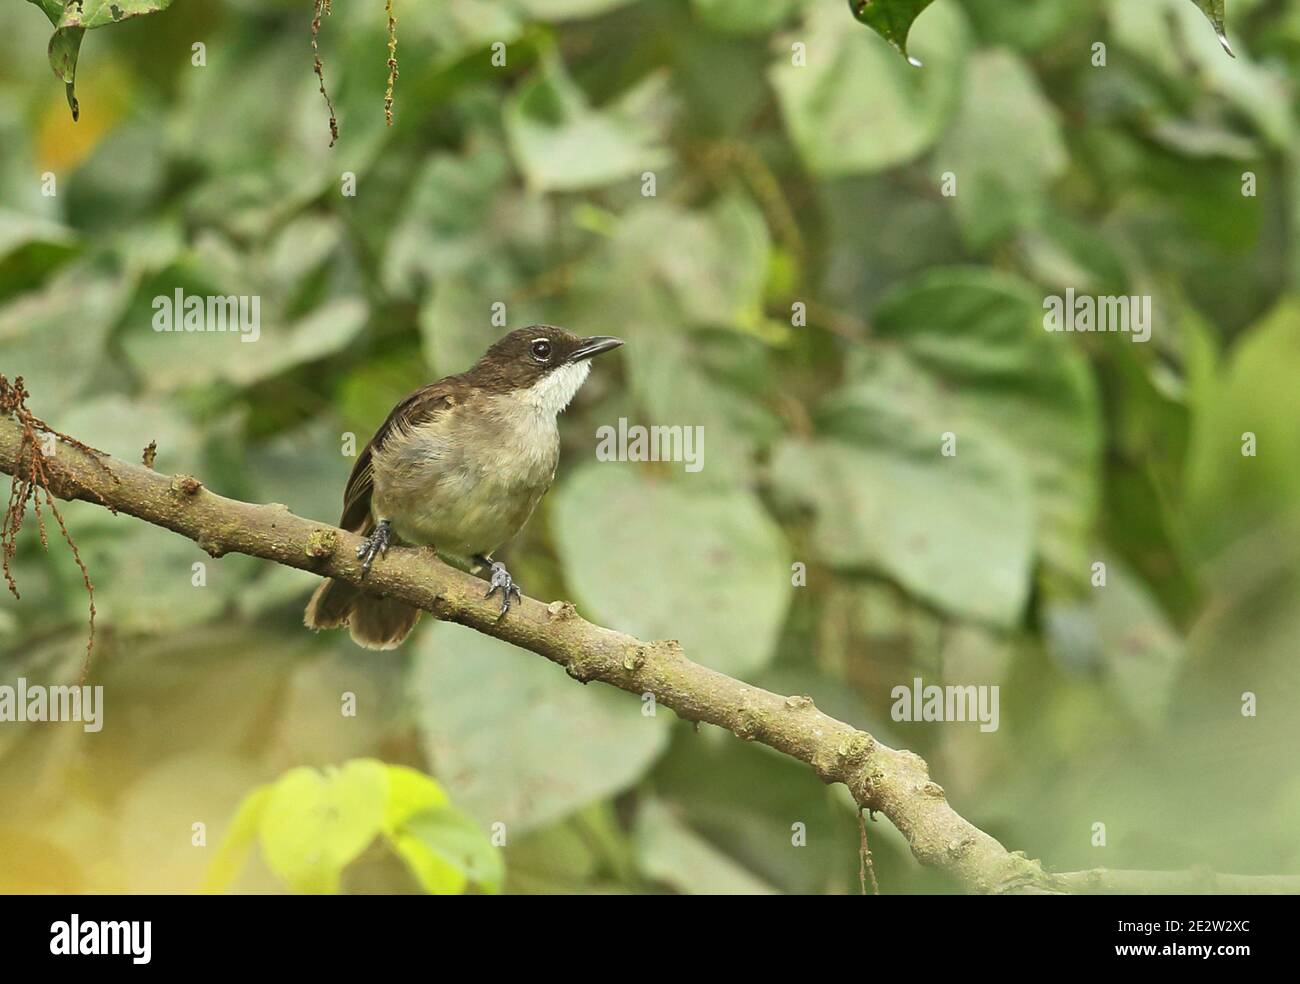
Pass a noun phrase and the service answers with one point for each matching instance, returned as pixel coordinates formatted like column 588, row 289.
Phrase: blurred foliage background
column 775, row 185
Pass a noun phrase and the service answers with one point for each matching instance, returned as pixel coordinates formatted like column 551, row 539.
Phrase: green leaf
column 446, row 849
column 73, row 20
column 1214, row 10
column 744, row 16
column 886, row 505
column 1120, row 629
column 671, row 852
column 978, row 338
column 891, row 19
column 173, row 360
column 666, row 559
column 540, row 748
column 852, row 106
column 1230, row 494
column 964, row 353
column 410, row 792
column 314, row 824
column 97, row 13
column 555, row 10
column 234, row 847
column 65, row 45
column 53, row 9
column 1004, row 149
column 562, row 144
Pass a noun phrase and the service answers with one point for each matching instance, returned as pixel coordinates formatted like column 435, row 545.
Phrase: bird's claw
column 375, row 545
column 502, row 581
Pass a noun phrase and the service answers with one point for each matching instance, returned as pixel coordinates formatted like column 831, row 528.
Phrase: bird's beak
column 594, row 346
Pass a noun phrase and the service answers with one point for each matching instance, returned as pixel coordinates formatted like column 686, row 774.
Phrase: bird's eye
column 541, row 349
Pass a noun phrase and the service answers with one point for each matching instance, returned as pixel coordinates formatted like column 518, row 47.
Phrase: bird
column 459, row 465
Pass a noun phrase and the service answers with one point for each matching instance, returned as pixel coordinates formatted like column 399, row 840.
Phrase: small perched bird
column 459, row 465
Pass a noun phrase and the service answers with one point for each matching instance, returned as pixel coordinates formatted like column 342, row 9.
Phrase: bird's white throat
column 553, row 392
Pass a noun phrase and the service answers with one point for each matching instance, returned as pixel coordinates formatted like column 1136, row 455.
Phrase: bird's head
column 542, row 364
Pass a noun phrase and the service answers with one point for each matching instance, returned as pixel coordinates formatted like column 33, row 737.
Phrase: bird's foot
column 376, row 544
column 501, row 580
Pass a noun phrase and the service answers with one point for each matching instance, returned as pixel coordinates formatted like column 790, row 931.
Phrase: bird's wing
column 420, row 407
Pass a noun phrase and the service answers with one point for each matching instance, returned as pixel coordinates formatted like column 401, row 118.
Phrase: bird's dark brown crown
column 522, row 357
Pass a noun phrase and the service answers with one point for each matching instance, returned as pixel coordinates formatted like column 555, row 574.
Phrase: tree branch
column 882, row 779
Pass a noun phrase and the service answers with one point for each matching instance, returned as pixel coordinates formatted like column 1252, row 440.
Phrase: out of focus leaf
column 1120, row 630
column 979, row 337
column 745, row 16
column 556, row 10
column 886, row 505
column 172, row 360
column 562, row 144
column 1004, row 149
column 446, row 850
column 239, row 838
column 1230, row 492
column 312, row 824
column 672, row 853
column 1253, row 88
column 513, row 740
column 855, row 106
column 54, row 337
column 660, row 559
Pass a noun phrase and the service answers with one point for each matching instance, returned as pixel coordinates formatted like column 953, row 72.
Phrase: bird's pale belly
column 466, row 495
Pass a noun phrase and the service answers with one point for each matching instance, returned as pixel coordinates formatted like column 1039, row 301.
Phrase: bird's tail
column 374, row 622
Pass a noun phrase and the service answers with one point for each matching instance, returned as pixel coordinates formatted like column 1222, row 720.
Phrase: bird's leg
column 376, row 544
column 500, row 580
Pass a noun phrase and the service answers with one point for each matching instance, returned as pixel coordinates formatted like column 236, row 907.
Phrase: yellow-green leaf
column 410, row 792
column 234, row 846
column 314, row 824
column 446, row 849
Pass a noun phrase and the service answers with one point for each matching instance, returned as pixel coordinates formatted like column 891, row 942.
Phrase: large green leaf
column 965, row 354
column 562, row 144
column 1004, row 148
column 663, row 559
column 978, row 337
column 1230, row 493
column 514, row 740
column 956, row 532
column 54, row 337
column 672, row 853
column 313, row 824
column 855, row 106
